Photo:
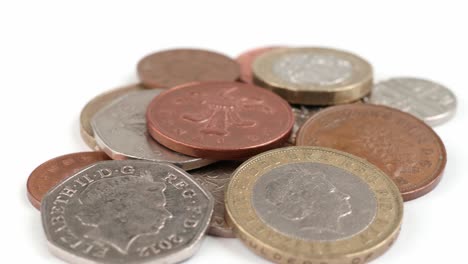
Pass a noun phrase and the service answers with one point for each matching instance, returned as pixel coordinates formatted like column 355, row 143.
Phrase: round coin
column 53, row 171
column 120, row 131
column 126, row 212
column 401, row 145
column 94, row 106
column 245, row 61
column 214, row 178
column 178, row 66
column 313, row 205
column 301, row 114
column 219, row 120
column 433, row 103
column 314, row 76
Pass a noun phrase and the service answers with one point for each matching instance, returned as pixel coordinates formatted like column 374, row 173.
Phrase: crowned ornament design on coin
column 313, row 205
column 401, row 145
column 431, row 102
column 219, row 120
column 214, row 178
column 179, row 66
column 96, row 104
column 126, row 212
column 120, row 130
column 314, row 76
column 53, row 171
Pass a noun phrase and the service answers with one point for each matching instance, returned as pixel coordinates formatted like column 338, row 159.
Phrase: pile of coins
column 295, row 151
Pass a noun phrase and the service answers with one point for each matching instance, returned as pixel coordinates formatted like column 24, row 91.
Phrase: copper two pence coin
column 219, row 120
column 53, row 171
column 179, row 66
column 401, row 145
column 245, row 61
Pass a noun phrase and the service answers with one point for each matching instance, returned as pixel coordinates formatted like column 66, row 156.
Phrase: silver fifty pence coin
column 120, row 131
column 431, row 102
column 126, row 211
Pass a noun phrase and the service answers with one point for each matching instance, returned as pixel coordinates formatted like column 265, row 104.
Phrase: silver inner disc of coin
column 315, row 69
column 424, row 99
column 120, row 130
column 314, row 201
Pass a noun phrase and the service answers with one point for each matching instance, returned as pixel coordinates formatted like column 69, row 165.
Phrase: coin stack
column 293, row 150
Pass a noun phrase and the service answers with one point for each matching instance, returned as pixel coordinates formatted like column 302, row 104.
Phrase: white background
column 55, row 56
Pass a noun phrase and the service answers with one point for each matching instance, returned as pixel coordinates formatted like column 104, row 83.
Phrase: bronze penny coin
column 53, row 171
column 178, row 66
column 219, row 120
column 245, row 61
column 401, row 145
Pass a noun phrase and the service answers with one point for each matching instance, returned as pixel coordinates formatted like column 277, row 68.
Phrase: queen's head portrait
column 309, row 202
column 118, row 210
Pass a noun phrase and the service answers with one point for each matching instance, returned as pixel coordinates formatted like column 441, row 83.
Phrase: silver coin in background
column 120, row 131
column 314, row 201
column 431, row 102
column 214, row 179
column 126, row 211
column 301, row 114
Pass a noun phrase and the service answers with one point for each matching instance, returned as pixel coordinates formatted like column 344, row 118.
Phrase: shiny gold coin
column 313, row 205
column 314, row 76
column 96, row 104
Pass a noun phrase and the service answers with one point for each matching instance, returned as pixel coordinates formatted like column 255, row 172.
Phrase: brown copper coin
column 174, row 67
column 245, row 61
column 219, row 120
column 53, row 171
column 401, row 145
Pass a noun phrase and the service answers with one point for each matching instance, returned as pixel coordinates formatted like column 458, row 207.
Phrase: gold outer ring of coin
column 357, row 86
column 279, row 248
column 96, row 104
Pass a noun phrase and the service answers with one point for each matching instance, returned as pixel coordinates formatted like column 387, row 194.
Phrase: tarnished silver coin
column 214, row 179
column 120, row 131
column 126, row 211
column 431, row 102
column 301, row 114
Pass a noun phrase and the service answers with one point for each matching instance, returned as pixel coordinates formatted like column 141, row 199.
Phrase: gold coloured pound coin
column 307, row 205
column 314, row 76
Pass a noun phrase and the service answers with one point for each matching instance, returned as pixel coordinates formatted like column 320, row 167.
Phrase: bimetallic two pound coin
column 313, row 205
column 53, row 171
column 94, row 106
column 214, row 178
column 126, row 212
column 431, row 102
column 178, row 66
column 401, row 145
column 120, row 131
column 314, row 76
